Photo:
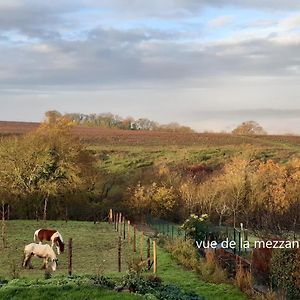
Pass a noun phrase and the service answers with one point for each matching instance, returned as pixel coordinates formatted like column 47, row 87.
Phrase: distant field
column 118, row 137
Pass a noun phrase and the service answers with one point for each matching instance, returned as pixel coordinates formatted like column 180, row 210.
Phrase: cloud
column 291, row 22
column 220, row 21
column 43, row 17
column 116, row 57
column 158, row 46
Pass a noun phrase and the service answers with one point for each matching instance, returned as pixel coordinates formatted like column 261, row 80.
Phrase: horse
column 41, row 251
column 50, row 235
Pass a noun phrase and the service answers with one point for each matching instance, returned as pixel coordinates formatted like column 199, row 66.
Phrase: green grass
column 122, row 160
column 188, row 280
column 95, row 252
column 94, row 248
column 63, row 293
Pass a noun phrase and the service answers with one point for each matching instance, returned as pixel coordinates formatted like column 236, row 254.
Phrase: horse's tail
column 36, row 235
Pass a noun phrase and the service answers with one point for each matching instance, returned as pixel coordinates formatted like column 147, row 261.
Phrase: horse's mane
column 60, row 241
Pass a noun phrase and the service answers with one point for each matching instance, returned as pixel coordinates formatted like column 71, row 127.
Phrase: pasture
column 95, row 252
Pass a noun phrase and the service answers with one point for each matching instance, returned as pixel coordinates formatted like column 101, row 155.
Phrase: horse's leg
column 25, row 259
column 44, row 264
column 30, row 266
column 57, row 248
column 30, row 263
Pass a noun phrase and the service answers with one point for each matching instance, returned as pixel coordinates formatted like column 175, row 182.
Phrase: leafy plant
column 196, row 226
column 284, row 265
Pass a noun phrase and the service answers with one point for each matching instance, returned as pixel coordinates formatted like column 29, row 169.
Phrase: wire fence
column 206, row 233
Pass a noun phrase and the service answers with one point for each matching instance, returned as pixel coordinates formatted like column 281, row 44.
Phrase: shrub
column 211, row 271
column 261, row 261
column 186, row 254
column 136, row 283
column 244, row 280
column 284, row 266
column 196, row 227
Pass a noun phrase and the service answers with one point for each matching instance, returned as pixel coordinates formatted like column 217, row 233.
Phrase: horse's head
column 60, row 244
column 54, row 264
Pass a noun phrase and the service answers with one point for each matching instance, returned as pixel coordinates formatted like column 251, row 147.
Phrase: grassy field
column 63, row 293
column 95, row 252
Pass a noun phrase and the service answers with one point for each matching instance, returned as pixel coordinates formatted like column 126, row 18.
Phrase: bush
column 284, row 265
column 186, row 254
column 196, row 227
column 136, row 283
column 244, row 280
column 261, row 263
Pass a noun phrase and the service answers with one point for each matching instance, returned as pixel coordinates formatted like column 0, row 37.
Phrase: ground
column 95, row 252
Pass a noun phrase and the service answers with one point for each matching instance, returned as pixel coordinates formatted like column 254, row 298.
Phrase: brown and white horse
column 54, row 236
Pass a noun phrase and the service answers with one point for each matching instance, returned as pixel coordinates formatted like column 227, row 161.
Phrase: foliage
column 63, row 287
column 249, row 128
column 186, row 254
column 284, row 265
column 159, row 200
column 196, row 226
column 42, row 164
column 136, row 283
column 244, row 280
column 261, row 264
column 109, row 120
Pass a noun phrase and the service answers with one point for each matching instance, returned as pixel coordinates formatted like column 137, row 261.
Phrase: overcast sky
column 209, row 64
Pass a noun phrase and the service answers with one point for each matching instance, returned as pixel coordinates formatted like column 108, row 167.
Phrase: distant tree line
column 109, row 120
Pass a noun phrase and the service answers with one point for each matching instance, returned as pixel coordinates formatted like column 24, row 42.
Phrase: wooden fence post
column 240, row 246
column 154, row 257
column 119, row 254
column 117, row 222
column 110, row 217
column 134, row 238
column 128, row 230
column 70, row 256
column 124, row 228
column 148, row 254
column 141, row 244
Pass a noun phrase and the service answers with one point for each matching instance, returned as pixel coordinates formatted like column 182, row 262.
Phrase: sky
column 208, row 64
